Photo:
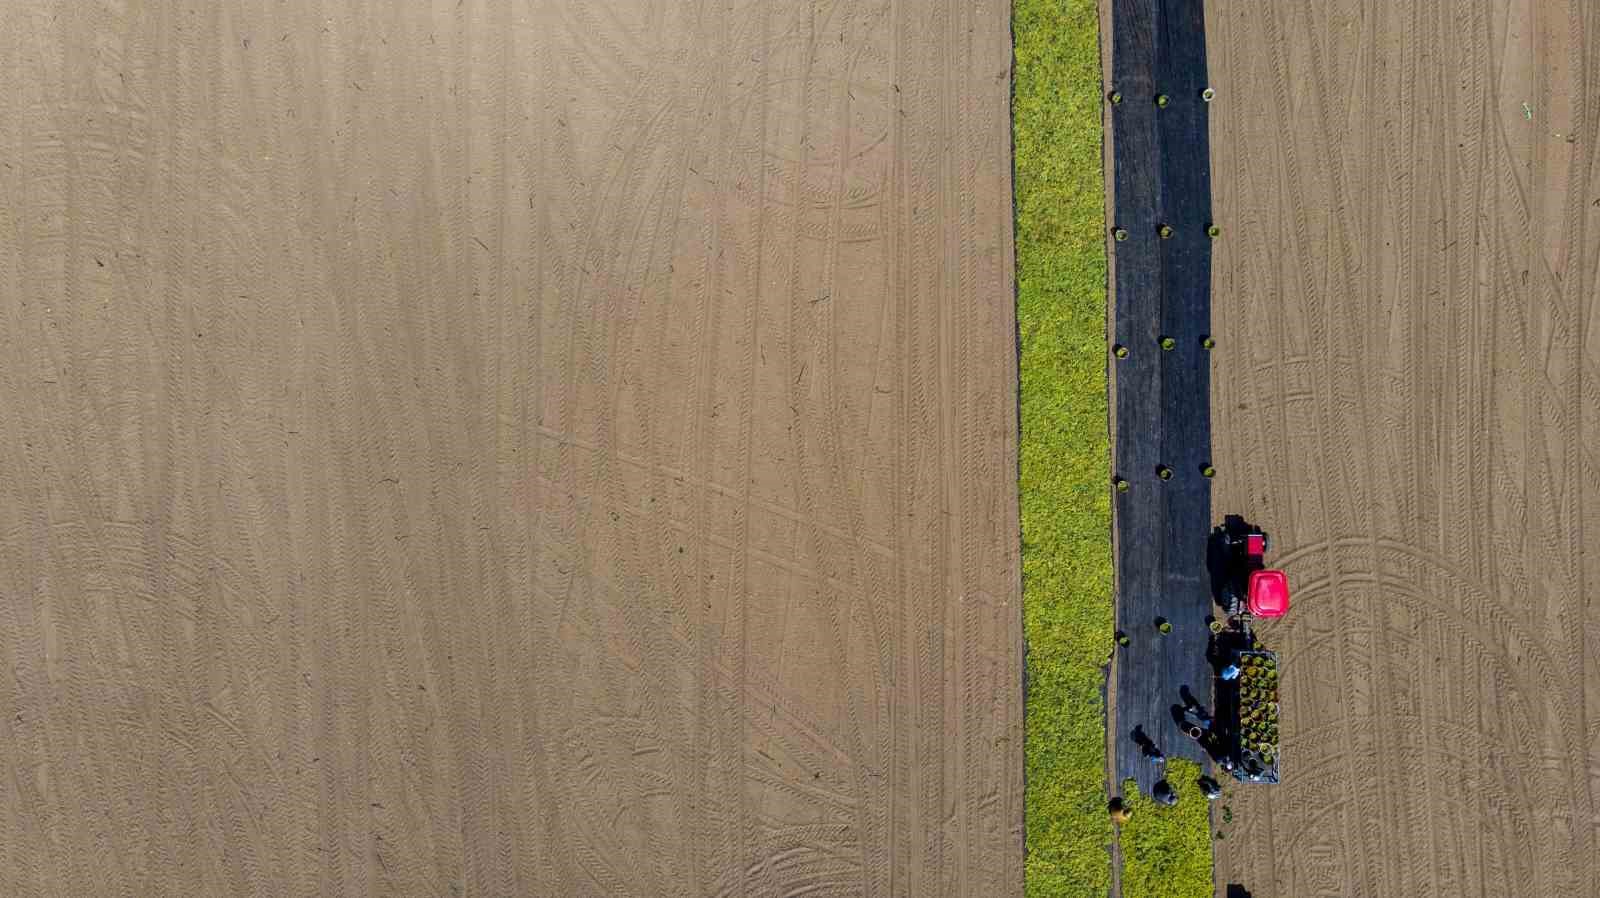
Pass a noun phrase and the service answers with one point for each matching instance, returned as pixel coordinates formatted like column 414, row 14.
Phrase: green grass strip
column 1065, row 452
column 1166, row 852
column 1065, row 465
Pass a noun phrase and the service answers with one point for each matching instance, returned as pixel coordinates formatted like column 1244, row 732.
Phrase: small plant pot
column 1119, row 810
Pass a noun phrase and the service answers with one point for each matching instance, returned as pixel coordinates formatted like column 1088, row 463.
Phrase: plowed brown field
column 1407, row 395
column 507, row 448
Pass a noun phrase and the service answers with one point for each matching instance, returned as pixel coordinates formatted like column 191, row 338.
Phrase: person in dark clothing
column 1199, row 713
column 1163, row 793
column 1209, row 787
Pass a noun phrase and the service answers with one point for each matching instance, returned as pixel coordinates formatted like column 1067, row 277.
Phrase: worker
column 1153, row 754
column 1164, row 794
column 1231, row 672
column 1209, row 787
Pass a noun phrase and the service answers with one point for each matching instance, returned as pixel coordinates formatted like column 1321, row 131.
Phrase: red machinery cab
column 1268, row 593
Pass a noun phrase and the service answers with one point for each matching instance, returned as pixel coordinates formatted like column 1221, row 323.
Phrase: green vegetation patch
column 1065, row 451
column 1166, row 852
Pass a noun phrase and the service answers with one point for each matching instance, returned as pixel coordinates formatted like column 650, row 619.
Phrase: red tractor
column 1265, row 592
column 1247, row 673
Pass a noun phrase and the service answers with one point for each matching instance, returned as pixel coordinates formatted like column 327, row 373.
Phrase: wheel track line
column 641, row 580
column 308, row 362
column 913, row 403
column 958, row 185
column 691, row 812
column 1319, row 310
column 746, row 436
column 1011, row 826
column 800, row 471
column 682, row 475
column 1308, row 287
column 499, row 746
column 1251, row 310
column 23, row 801
column 646, row 417
column 703, row 339
column 1372, row 149
column 536, row 630
column 1561, row 505
column 932, row 643
column 440, row 631
column 43, row 606
column 61, row 346
column 1424, row 814
column 1588, row 120
column 172, row 497
column 843, row 495
column 904, row 747
column 624, row 174
column 1413, row 496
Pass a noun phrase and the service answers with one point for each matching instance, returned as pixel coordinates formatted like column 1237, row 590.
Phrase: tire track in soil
column 1426, row 469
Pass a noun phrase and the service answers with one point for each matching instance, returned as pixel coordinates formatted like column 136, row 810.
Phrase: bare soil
column 488, row 448
column 1407, row 395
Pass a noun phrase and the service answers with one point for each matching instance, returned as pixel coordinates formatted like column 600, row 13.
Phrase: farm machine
column 1245, row 732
